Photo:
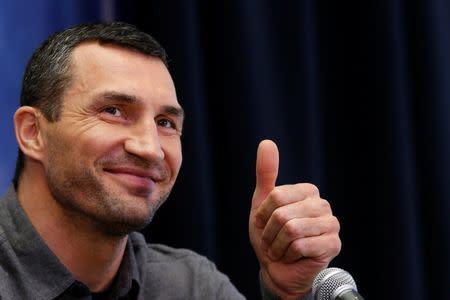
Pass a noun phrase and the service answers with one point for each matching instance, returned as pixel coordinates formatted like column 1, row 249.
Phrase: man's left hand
column 292, row 229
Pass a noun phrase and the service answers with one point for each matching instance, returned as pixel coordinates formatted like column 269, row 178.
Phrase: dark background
column 356, row 95
column 295, row 72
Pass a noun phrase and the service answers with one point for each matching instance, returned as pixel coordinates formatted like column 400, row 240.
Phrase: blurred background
column 357, row 97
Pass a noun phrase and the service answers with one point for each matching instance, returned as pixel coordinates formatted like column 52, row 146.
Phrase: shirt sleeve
column 268, row 295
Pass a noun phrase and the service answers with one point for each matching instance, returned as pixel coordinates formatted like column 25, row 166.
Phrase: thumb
column 266, row 171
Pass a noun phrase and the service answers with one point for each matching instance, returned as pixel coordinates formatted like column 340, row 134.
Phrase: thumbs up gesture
column 292, row 230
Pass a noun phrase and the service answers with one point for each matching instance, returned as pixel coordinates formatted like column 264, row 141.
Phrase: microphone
column 335, row 284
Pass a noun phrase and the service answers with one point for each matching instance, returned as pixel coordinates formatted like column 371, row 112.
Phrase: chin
column 124, row 227
column 125, row 211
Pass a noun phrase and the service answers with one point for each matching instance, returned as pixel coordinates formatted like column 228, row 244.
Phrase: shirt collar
column 127, row 279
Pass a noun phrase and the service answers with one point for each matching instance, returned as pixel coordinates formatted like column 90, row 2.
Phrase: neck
column 92, row 256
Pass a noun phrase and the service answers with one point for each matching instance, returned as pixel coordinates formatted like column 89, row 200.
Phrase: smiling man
column 99, row 132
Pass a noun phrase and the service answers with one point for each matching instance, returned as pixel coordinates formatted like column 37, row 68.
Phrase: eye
column 166, row 123
column 114, row 111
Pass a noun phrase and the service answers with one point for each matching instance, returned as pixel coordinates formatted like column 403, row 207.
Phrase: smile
column 138, row 181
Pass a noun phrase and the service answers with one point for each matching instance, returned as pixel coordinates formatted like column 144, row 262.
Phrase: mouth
column 139, row 182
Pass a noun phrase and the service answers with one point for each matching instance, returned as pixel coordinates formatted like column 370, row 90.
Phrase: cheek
column 173, row 156
column 85, row 148
column 59, row 148
column 97, row 146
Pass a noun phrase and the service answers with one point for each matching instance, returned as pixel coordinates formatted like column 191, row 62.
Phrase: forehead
column 96, row 68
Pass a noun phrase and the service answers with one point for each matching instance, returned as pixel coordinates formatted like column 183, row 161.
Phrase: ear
column 28, row 132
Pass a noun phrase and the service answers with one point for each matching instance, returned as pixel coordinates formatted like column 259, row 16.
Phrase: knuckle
column 297, row 246
column 325, row 206
column 280, row 217
column 334, row 245
column 332, row 226
column 312, row 189
column 305, row 245
column 335, row 223
column 293, row 228
column 276, row 195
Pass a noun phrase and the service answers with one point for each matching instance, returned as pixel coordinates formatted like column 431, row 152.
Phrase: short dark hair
column 47, row 73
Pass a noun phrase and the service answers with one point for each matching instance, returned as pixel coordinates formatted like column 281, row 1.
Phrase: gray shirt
column 30, row 270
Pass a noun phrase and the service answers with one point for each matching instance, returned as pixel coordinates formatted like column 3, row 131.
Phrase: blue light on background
column 24, row 24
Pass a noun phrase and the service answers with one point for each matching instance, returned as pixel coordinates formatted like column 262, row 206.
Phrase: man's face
column 114, row 155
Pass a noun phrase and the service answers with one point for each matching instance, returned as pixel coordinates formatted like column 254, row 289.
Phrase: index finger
column 284, row 195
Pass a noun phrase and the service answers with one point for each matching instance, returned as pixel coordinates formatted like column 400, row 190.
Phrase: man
column 99, row 135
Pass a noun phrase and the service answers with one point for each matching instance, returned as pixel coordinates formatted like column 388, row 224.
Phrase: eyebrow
column 176, row 111
column 117, row 96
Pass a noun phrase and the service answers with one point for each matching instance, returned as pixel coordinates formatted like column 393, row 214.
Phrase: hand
column 292, row 230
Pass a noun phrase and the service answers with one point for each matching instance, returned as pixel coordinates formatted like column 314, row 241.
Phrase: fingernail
column 259, row 223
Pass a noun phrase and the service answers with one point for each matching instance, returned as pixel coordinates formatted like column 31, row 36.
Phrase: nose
column 144, row 141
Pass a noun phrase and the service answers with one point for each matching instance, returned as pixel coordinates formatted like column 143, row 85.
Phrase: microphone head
column 331, row 282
